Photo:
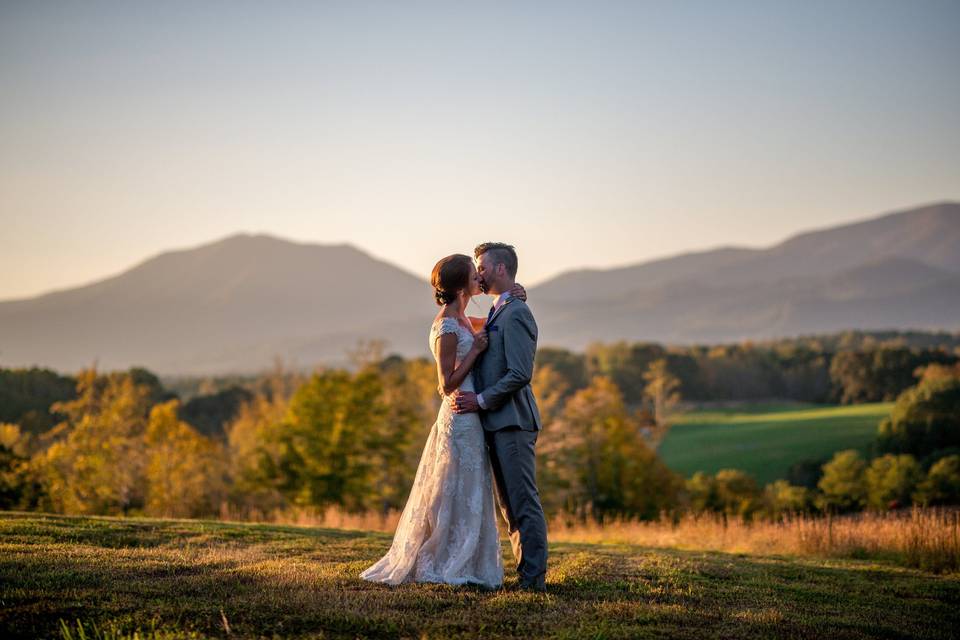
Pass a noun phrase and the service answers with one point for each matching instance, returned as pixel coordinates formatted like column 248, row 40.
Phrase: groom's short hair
column 499, row 252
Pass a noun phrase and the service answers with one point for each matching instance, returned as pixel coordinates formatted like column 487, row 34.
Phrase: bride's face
column 474, row 282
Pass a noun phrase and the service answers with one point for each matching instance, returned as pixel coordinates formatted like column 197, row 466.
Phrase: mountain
column 899, row 270
column 235, row 304
column 929, row 234
column 232, row 305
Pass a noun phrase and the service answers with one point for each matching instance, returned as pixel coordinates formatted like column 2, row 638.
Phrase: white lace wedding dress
column 448, row 529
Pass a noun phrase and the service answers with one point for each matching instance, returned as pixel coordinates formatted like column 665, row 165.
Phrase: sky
column 585, row 133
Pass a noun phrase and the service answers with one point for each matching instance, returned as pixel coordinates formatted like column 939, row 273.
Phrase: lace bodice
column 444, row 325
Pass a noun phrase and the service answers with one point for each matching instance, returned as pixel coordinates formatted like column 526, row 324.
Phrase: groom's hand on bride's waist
column 465, row 402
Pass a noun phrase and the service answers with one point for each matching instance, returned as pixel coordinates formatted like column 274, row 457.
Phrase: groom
column 508, row 411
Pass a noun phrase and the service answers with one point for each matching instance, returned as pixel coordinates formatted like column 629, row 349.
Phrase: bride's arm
column 450, row 375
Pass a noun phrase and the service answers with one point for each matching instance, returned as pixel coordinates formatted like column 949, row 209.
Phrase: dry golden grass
column 160, row 579
column 924, row 538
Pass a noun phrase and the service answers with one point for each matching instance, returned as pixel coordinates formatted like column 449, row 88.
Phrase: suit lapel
column 497, row 313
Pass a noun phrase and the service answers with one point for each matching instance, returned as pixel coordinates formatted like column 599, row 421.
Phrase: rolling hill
column 235, row 304
column 231, row 305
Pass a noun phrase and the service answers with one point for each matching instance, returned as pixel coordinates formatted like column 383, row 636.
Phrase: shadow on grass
column 299, row 582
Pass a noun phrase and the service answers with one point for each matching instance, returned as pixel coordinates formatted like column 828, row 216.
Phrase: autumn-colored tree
column 95, row 464
column 253, row 445
column 663, row 390
column 14, row 467
column 184, row 469
column 598, row 463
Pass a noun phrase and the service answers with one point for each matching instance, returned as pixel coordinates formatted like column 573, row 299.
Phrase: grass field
column 765, row 439
column 180, row 579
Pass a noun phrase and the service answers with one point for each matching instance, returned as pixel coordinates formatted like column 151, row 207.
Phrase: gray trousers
column 514, row 473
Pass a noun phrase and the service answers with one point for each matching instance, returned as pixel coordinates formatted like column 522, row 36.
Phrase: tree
column 326, row 441
column 891, row 479
column 597, row 462
column 551, row 390
column 95, row 465
column 662, row 390
column 925, row 418
column 782, row 498
column 880, row 373
column 737, row 493
column 843, row 486
column 623, row 363
column 253, row 444
column 408, row 395
column 184, row 469
column 942, row 484
column 701, row 491
column 14, row 467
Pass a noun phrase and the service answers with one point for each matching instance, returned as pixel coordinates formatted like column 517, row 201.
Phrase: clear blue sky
column 588, row 133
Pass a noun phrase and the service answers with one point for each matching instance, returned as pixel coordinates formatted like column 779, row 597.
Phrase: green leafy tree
column 598, row 463
column 843, row 485
column 782, row 498
column 327, row 441
column 701, row 492
column 891, row 479
column 737, row 493
column 942, row 484
column 926, row 418
column 253, row 446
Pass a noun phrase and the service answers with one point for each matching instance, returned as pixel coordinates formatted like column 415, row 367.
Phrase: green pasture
column 765, row 439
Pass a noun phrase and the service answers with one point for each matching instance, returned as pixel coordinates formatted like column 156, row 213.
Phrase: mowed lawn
column 180, row 579
column 765, row 439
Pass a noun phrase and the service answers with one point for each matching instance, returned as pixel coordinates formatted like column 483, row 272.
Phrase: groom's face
column 485, row 271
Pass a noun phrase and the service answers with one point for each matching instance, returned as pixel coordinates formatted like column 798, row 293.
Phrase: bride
column 448, row 530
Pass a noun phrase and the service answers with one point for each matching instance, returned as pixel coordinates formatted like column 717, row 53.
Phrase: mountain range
column 235, row 304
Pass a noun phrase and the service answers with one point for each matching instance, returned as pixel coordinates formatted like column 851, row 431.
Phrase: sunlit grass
column 73, row 577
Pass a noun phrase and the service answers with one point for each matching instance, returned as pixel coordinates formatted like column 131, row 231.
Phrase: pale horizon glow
column 593, row 135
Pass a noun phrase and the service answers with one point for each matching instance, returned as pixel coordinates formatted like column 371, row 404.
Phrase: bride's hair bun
column 450, row 275
column 442, row 297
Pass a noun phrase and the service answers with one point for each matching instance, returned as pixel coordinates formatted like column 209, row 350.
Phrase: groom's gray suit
column 511, row 422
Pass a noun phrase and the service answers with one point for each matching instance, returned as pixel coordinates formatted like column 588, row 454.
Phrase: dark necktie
column 490, row 315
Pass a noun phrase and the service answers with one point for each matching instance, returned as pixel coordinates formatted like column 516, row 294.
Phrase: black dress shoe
column 538, row 586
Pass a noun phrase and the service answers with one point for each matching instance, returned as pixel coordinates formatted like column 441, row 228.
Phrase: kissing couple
column 484, row 436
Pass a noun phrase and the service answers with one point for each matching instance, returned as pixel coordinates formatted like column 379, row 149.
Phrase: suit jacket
column 504, row 370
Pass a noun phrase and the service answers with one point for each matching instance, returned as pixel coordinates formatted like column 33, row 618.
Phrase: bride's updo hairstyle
column 449, row 276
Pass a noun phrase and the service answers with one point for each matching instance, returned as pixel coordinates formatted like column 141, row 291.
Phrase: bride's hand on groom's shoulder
column 518, row 292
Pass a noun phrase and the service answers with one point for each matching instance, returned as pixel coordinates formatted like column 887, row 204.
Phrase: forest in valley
column 127, row 442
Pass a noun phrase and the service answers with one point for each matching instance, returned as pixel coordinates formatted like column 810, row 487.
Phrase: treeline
column 804, row 370
column 123, row 443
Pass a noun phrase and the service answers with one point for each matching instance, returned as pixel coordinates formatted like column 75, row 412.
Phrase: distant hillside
column 898, row 271
column 229, row 305
column 235, row 304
